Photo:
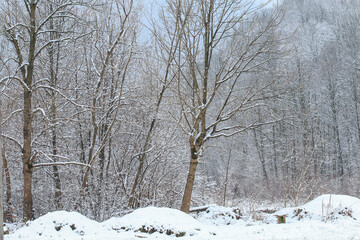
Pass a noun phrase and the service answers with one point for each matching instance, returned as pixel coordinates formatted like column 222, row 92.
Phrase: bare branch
column 17, row 142
column 61, row 164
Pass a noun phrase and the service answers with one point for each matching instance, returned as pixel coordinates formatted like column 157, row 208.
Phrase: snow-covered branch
column 11, row 114
column 17, row 142
column 61, row 164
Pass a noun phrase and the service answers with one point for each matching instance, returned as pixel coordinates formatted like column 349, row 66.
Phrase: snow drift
column 59, row 225
column 152, row 219
column 218, row 215
column 325, row 217
column 326, row 207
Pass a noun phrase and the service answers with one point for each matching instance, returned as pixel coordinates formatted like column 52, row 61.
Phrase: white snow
column 59, row 225
column 326, row 217
column 159, row 219
column 218, row 215
column 326, row 204
column 325, row 208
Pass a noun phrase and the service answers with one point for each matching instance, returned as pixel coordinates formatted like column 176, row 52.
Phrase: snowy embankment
column 326, row 217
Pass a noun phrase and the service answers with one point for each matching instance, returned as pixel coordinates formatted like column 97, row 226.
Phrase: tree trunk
column 260, row 151
column 142, row 158
column 1, row 180
column 356, row 106
column 274, row 151
column 185, row 205
column 54, row 64
column 28, row 202
column 27, row 158
column 57, row 180
column 226, row 177
column 137, row 177
column 338, row 165
column 100, row 187
column 9, row 208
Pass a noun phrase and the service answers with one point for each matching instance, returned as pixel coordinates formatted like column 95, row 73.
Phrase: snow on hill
column 58, row 225
column 217, row 215
column 152, row 219
column 326, row 217
column 324, row 208
column 329, row 204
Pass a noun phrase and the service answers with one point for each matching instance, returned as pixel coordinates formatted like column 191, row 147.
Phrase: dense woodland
column 109, row 106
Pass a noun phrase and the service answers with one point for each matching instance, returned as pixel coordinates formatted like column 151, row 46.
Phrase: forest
column 114, row 105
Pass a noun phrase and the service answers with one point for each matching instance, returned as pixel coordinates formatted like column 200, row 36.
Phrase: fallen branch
column 200, row 209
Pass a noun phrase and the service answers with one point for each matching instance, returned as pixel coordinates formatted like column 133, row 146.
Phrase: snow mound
column 153, row 219
column 327, row 203
column 218, row 215
column 59, row 225
column 325, row 207
column 325, row 217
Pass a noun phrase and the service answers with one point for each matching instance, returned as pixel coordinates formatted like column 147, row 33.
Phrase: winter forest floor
column 326, row 217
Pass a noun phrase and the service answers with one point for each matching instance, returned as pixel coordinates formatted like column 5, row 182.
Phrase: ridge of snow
column 303, row 222
column 155, row 217
column 323, row 208
column 54, row 225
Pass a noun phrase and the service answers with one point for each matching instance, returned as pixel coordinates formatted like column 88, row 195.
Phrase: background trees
column 29, row 28
column 96, row 103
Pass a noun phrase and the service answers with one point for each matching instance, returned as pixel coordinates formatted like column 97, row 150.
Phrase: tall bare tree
column 221, row 41
column 109, row 67
column 25, row 25
column 165, row 78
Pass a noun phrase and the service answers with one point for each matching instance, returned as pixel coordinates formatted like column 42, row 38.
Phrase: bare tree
column 165, row 78
column 25, row 25
column 109, row 63
column 221, row 41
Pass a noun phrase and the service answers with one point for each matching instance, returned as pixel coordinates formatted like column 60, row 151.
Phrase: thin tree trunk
column 138, row 173
column 100, row 187
column 274, row 151
column 142, row 158
column 1, row 180
column 56, row 175
column 260, row 150
column 226, row 177
column 339, row 165
column 53, row 77
column 92, row 153
column 9, row 208
column 356, row 105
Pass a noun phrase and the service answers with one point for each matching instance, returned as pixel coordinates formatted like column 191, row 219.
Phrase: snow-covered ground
column 326, row 217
